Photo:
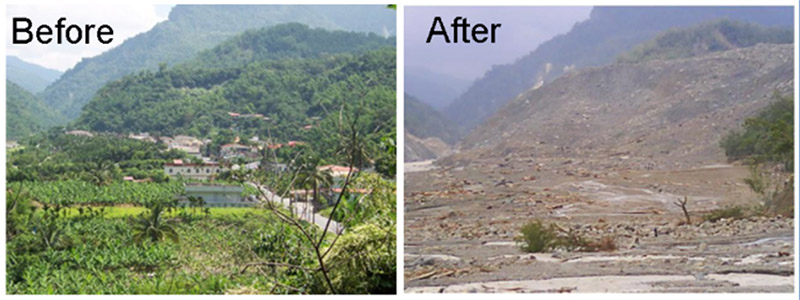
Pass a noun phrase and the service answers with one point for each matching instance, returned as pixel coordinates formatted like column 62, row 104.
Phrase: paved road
column 303, row 210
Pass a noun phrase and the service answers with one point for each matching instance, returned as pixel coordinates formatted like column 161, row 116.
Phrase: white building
column 193, row 171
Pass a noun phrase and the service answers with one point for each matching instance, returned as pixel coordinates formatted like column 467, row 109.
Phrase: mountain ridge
column 646, row 115
column 609, row 32
column 32, row 77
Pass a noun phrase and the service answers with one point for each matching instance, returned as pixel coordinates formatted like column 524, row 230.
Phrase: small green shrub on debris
column 539, row 237
column 733, row 212
column 536, row 237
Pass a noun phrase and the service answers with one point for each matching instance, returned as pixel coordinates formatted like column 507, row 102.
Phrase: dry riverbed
column 460, row 225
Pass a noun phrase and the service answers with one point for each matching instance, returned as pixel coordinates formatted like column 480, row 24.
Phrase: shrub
column 364, row 261
column 767, row 137
column 536, row 237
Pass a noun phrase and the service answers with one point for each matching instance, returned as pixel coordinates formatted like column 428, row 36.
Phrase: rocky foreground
column 461, row 223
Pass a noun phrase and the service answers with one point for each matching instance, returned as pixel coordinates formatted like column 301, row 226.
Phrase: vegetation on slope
column 189, row 30
column 719, row 35
column 286, row 100
column 101, row 159
column 286, row 41
column 26, row 114
column 766, row 143
column 423, row 121
column 766, row 137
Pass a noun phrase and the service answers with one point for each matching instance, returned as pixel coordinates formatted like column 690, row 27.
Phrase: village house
column 188, row 144
column 204, row 171
column 337, row 171
column 80, row 133
column 216, row 195
column 231, row 151
column 142, row 136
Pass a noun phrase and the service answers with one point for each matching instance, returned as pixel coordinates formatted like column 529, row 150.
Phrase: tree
column 315, row 178
column 154, row 226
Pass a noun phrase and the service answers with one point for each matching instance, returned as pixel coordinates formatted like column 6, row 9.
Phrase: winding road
column 305, row 211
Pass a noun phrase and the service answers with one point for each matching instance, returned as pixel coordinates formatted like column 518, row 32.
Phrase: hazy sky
column 523, row 28
column 127, row 20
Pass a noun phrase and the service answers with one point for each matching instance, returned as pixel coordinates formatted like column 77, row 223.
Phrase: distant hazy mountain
column 423, row 121
column 192, row 28
column 609, row 32
column 26, row 114
column 714, row 36
column 433, row 88
column 29, row 76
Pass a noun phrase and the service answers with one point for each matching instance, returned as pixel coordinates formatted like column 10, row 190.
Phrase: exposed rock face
column 417, row 149
column 656, row 114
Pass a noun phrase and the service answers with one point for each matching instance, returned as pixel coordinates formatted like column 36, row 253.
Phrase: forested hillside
column 25, row 113
column 31, row 77
column 286, row 41
column 191, row 29
column 288, row 99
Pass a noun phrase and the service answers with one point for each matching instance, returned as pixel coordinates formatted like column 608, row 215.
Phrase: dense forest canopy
column 282, row 95
column 286, row 41
column 194, row 28
column 101, row 159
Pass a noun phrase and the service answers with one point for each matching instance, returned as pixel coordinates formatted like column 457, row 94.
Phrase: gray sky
column 127, row 20
column 523, row 28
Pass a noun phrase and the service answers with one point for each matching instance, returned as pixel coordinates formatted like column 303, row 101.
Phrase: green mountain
column 191, row 29
column 286, row 41
column 26, row 114
column 719, row 35
column 296, row 95
column 608, row 33
column 422, row 121
column 31, row 77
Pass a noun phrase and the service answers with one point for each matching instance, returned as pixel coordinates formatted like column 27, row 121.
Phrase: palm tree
column 154, row 227
column 316, row 178
column 101, row 173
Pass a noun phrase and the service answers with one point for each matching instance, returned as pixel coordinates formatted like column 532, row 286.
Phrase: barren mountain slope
column 419, row 149
column 657, row 114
